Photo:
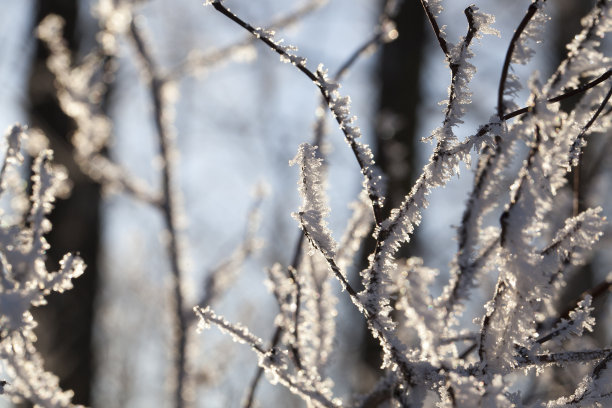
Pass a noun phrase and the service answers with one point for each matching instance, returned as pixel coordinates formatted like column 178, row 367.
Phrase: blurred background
column 238, row 122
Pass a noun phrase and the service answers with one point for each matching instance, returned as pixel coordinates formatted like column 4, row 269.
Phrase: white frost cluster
column 25, row 281
column 273, row 361
column 513, row 234
column 314, row 207
column 340, row 107
column 462, row 73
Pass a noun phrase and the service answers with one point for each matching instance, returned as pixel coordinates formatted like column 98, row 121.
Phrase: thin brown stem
column 169, row 210
column 580, row 138
column 596, row 291
column 435, row 27
column 563, row 96
column 276, row 337
column 295, row 347
column 564, row 357
column 533, row 7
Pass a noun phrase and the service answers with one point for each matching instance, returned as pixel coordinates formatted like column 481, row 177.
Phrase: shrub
column 513, row 236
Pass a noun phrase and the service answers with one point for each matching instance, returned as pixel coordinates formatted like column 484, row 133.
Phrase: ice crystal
column 314, row 207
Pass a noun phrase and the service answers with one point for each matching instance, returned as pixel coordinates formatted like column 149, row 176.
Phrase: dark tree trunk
column 399, row 75
column 65, row 324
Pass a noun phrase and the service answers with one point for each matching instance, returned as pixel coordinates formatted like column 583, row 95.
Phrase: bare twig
column 436, row 28
column 564, row 357
column 533, row 8
column 577, row 145
column 376, row 39
column 169, row 213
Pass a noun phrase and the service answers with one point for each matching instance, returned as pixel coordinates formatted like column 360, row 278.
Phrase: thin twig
column 407, row 372
column 516, row 196
column 585, row 37
column 376, row 39
column 276, row 337
column 169, row 214
column 563, row 357
column 578, row 142
column 335, row 269
column 295, row 347
column 596, row 291
column 215, row 282
column 582, row 88
column 454, row 65
column 270, row 359
column 602, row 365
column 367, row 172
column 222, row 54
column 563, row 96
column 436, row 28
column 250, row 397
column 533, row 8
column 467, row 351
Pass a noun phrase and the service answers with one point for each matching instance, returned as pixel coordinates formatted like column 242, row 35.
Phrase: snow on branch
column 594, row 389
column 521, row 247
column 583, row 54
column 25, row 281
column 338, row 105
column 462, row 72
column 513, row 233
column 314, row 207
column 580, row 319
column 274, row 361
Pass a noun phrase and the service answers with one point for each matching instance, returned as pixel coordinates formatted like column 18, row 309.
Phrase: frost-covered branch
column 594, row 389
column 580, row 319
column 161, row 104
column 25, row 281
column 518, row 52
column 273, row 361
column 530, row 266
column 579, row 142
column 512, row 230
column 196, row 61
column 432, row 8
column 337, row 104
column 568, row 94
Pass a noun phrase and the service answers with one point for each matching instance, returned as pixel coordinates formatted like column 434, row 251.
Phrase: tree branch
column 169, row 210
